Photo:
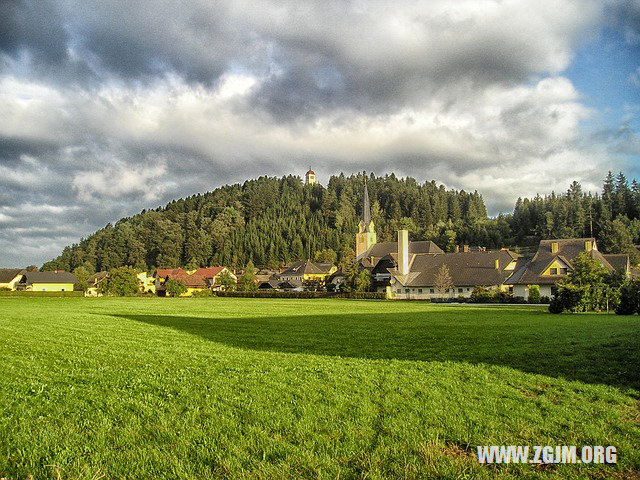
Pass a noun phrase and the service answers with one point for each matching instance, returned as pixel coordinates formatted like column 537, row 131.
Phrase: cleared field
column 266, row 388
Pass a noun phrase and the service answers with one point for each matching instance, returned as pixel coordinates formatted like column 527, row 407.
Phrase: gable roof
column 201, row 278
column 307, row 267
column 48, row 277
column 619, row 261
column 8, row 274
column 97, row 278
column 531, row 272
column 377, row 251
column 465, row 268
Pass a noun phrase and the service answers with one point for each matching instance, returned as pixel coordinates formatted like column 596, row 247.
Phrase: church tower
column 366, row 235
column 310, row 177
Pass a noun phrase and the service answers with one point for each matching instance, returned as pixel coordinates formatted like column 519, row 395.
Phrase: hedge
column 279, row 294
column 24, row 293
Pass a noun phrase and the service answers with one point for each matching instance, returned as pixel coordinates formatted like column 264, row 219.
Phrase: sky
column 108, row 107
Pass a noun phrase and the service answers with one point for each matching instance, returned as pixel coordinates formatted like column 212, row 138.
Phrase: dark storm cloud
column 111, row 106
column 315, row 56
column 33, row 25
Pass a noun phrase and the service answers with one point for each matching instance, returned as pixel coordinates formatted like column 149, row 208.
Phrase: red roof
column 196, row 279
column 209, row 272
column 163, row 272
column 311, row 172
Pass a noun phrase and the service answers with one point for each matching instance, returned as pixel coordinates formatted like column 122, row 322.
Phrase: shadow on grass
column 591, row 349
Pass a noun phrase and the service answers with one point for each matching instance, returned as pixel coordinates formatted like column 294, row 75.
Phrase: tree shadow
column 591, row 349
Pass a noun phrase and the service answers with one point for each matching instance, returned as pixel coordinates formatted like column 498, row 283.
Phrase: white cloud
column 136, row 109
column 118, row 180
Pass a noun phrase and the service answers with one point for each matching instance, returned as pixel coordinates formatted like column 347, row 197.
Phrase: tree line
column 272, row 221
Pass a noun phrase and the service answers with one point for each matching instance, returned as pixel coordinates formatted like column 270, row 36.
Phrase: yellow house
column 9, row 277
column 56, row 281
column 194, row 280
column 304, row 271
column 147, row 283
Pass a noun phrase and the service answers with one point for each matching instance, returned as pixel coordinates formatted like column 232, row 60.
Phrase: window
column 431, row 290
column 406, row 290
column 563, row 271
column 459, row 290
column 419, row 290
column 553, row 271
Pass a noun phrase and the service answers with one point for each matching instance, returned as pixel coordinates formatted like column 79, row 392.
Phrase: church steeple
column 366, row 208
column 366, row 235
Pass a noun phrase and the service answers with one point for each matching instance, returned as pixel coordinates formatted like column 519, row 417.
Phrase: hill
column 272, row 221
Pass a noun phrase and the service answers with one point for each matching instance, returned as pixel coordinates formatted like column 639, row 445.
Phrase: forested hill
column 272, row 221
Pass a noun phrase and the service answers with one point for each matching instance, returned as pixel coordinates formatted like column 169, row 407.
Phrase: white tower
column 310, row 177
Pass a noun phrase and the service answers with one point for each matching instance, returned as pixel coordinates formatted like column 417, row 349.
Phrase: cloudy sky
column 108, row 107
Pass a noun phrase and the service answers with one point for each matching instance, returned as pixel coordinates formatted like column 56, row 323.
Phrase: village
column 404, row 269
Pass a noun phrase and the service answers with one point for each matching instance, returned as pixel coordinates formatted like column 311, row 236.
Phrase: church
column 408, row 270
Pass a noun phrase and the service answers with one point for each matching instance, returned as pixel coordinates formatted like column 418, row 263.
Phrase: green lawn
column 281, row 388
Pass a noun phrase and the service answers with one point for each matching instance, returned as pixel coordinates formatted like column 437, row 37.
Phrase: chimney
column 554, row 247
column 403, row 252
column 465, row 248
column 497, row 264
column 457, row 248
column 588, row 246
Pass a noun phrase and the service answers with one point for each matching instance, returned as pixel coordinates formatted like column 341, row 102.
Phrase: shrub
column 292, row 294
column 121, row 282
column 482, row 295
column 555, row 306
column 545, row 299
column 569, row 297
column 534, row 294
column 629, row 302
column 175, row 288
column 203, row 294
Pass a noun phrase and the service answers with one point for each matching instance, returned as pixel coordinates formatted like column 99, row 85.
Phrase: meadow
column 278, row 388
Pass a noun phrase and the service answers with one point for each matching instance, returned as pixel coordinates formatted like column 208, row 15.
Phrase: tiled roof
column 163, row 272
column 49, row 277
column 198, row 279
column 8, row 274
column 568, row 250
column 97, row 277
column 379, row 250
column 465, row 268
column 619, row 261
column 307, row 267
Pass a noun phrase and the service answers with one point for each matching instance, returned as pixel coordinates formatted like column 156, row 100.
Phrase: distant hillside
column 272, row 221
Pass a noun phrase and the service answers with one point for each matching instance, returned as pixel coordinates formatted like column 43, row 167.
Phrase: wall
column 51, row 287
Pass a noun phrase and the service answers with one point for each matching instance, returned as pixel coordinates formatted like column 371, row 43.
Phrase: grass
column 280, row 388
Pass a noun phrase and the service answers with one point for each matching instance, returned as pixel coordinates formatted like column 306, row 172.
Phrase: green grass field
column 279, row 388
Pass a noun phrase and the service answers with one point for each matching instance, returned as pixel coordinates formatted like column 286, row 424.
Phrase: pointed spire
column 366, row 208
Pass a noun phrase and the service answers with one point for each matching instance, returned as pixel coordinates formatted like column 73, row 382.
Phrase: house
column 56, row 281
column 413, row 275
column 195, row 280
column 93, row 284
column 147, row 283
column 553, row 261
column 307, row 271
column 9, row 277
